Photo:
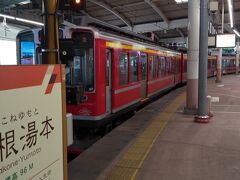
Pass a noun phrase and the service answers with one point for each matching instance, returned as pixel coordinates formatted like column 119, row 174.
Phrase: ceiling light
column 181, row 1
column 30, row 22
column 236, row 32
column 25, row 2
column 22, row 20
column 6, row 16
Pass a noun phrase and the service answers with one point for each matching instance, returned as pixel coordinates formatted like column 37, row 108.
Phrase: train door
column 108, row 80
column 143, row 68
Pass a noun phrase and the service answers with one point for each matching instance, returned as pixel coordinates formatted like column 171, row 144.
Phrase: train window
column 151, row 67
column 143, row 66
column 172, row 65
column 170, row 70
column 123, row 68
column 162, row 66
column 178, row 64
column 108, row 65
column 134, row 67
column 158, row 66
column 68, row 72
column 83, row 57
column 27, row 48
column 76, row 70
column 83, row 68
column 155, row 66
column 168, row 65
column 175, row 66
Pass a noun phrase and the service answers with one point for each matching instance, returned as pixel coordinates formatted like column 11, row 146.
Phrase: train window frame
column 162, row 66
column 155, row 67
column 174, row 65
column 167, row 65
column 92, row 87
column 131, row 74
column 109, row 59
column 19, row 41
column 126, row 78
column 150, row 66
column 145, row 77
column 178, row 64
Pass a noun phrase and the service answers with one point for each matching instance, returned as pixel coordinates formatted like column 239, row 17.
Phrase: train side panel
column 127, row 94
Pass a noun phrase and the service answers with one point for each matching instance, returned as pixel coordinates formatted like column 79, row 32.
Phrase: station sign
column 225, row 40
column 212, row 41
column 32, row 135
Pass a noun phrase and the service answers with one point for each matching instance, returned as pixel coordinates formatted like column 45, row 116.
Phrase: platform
column 160, row 142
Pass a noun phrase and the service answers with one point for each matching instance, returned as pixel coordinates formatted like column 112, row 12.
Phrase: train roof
column 118, row 34
column 135, row 41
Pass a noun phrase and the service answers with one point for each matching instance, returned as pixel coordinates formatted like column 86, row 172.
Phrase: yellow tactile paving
column 130, row 162
column 121, row 173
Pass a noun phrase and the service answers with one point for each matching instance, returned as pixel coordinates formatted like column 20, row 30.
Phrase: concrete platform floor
column 191, row 151
column 97, row 161
column 162, row 143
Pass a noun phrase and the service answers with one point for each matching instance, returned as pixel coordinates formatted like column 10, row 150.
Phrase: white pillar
column 193, row 56
column 237, row 58
column 219, row 66
column 219, row 58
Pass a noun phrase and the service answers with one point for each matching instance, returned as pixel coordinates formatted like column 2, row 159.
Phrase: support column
column 202, row 113
column 219, row 57
column 237, row 58
column 193, row 56
column 219, row 66
column 51, row 43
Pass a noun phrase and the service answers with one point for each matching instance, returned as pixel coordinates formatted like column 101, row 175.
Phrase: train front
column 83, row 89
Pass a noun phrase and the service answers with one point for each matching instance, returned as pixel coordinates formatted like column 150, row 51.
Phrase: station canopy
column 162, row 19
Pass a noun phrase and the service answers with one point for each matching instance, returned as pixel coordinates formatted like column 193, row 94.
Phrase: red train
column 107, row 73
column 228, row 64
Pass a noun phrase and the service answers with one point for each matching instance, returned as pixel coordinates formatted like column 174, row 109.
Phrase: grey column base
column 202, row 119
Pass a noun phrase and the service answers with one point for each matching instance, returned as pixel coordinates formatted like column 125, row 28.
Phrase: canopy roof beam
column 158, row 26
column 158, row 10
column 113, row 11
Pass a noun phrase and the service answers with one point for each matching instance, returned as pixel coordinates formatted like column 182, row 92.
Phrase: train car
column 107, row 74
column 212, row 66
column 184, row 68
column 228, row 64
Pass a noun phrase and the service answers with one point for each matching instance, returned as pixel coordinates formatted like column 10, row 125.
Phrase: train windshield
column 27, row 48
column 80, row 63
column 77, row 53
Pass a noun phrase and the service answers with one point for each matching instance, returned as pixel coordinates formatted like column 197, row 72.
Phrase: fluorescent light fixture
column 230, row 9
column 236, row 32
column 30, row 22
column 22, row 20
column 181, row 1
column 24, row 2
column 7, row 16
